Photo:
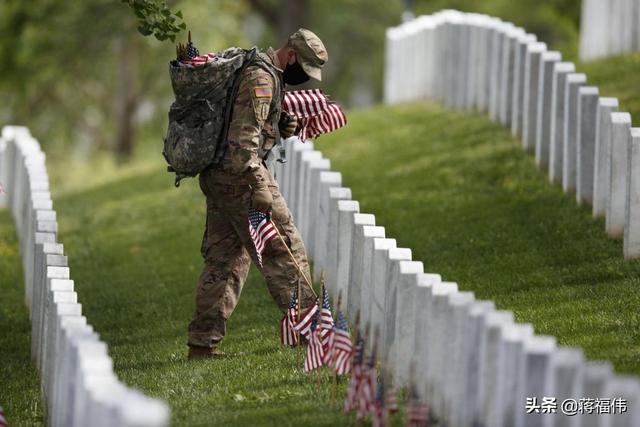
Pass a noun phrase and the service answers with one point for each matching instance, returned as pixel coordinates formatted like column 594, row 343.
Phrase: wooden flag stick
column 297, row 265
column 333, row 358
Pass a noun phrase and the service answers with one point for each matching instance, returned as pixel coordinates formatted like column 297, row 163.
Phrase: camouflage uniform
column 227, row 248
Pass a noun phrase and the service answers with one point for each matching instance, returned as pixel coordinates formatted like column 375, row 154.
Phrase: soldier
column 242, row 180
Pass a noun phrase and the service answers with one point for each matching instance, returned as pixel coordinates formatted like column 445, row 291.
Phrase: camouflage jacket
column 253, row 126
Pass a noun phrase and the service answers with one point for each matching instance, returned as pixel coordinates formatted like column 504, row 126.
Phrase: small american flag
column 262, row 231
column 288, row 335
column 315, row 351
column 417, row 411
column 326, row 324
column 367, row 389
column 3, row 421
column 304, row 325
column 341, row 347
column 380, row 406
column 315, row 112
column 351, row 400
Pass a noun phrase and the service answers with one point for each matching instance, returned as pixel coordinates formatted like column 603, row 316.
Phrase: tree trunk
column 127, row 100
column 294, row 14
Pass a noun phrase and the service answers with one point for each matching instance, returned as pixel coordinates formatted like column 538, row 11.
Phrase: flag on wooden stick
column 417, row 411
column 315, row 351
column 351, row 400
column 341, row 347
column 3, row 421
column 262, row 230
column 326, row 324
column 367, row 388
column 288, row 335
column 304, row 325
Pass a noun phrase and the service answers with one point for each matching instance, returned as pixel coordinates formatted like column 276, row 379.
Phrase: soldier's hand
column 287, row 124
column 262, row 198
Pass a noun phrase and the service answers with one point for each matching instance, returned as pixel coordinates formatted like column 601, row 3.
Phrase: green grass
column 19, row 384
column 462, row 194
column 133, row 243
column 456, row 189
column 619, row 77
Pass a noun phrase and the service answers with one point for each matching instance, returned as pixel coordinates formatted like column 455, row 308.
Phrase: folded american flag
column 315, row 351
column 340, row 346
column 262, row 230
column 315, row 112
column 288, row 335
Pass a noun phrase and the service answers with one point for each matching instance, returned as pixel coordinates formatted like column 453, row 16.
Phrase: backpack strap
column 221, row 149
column 276, row 106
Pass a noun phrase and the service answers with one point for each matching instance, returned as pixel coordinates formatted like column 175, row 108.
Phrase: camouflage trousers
column 228, row 250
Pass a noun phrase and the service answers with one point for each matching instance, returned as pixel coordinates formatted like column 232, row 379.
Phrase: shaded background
column 82, row 78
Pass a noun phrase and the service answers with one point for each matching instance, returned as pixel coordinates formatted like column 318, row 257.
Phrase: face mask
column 293, row 74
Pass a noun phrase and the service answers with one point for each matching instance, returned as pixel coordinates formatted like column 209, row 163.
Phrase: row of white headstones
column 473, row 62
column 471, row 363
column 609, row 27
column 77, row 382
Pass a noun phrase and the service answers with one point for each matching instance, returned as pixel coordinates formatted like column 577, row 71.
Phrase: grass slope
column 133, row 243
column 462, row 194
column 454, row 188
column 19, row 384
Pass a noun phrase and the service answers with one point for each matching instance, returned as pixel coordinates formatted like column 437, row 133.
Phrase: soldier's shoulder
column 258, row 76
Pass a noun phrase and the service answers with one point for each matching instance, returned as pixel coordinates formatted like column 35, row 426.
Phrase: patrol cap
column 310, row 52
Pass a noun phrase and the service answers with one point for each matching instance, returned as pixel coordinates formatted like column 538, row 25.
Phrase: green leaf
column 183, row 26
column 179, row 14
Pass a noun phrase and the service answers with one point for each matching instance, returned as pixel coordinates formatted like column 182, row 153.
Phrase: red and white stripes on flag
column 315, row 352
column 367, row 391
column 351, row 401
column 3, row 421
column 417, row 414
column 288, row 335
column 304, row 325
column 262, row 230
column 316, row 114
column 199, row 60
column 340, row 347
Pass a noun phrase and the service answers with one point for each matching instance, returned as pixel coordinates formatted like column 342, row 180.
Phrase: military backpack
column 200, row 115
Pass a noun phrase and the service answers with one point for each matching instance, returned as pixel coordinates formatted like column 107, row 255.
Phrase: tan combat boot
column 197, row 352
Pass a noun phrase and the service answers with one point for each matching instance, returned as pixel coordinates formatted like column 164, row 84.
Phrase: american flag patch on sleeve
column 263, row 92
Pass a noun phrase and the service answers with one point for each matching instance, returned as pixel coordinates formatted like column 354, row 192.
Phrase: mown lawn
column 455, row 188
column 462, row 194
column 19, row 384
column 133, row 242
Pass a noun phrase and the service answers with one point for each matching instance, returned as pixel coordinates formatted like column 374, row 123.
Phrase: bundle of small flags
column 316, row 114
column 288, row 335
column 189, row 56
column 262, row 230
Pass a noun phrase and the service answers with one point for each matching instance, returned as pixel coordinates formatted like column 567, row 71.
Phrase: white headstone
column 616, row 202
